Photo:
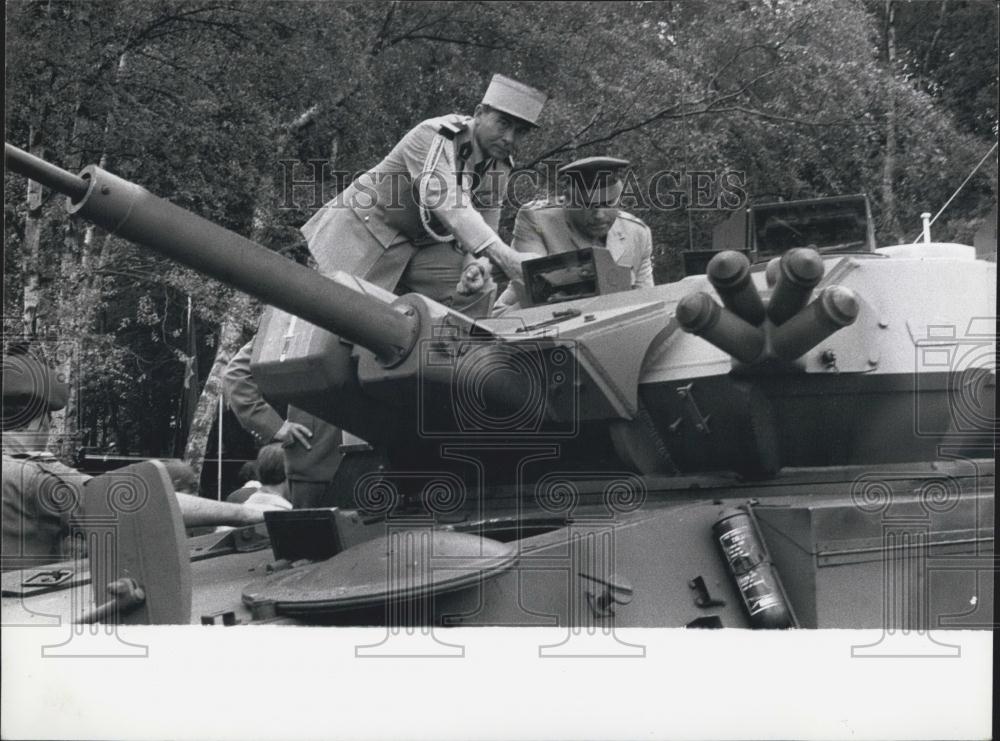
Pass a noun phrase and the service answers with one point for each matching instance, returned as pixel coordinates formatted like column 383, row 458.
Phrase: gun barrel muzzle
column 834, row 308
column 799, row 271
column 729, row 274
column 133, row 213
column 45, row 173
column 698, row 314
column 771, row 271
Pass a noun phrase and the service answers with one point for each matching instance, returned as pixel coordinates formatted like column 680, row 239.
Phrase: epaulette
column 541, row 203
column 631, row 217
column 452, row 127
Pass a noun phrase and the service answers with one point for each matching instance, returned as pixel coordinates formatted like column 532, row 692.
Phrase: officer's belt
column 429, row 241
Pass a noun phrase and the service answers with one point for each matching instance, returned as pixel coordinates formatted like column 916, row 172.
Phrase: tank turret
column 748, row 385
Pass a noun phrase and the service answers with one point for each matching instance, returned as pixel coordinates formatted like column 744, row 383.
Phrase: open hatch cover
column 401, row 565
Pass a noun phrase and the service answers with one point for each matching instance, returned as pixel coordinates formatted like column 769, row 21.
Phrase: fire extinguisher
column 756, row 580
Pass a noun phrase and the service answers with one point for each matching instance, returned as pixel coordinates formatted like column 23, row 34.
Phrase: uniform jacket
column 262, row 421
column 541, row 227
column 41, row 496
column 367, row 229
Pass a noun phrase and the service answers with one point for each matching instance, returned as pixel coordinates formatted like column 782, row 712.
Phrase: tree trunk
column 74, row 300
column 929, row 54
column 890, row 217
column 58, row 344
column 230, row 339
column 243, row 312
column 82, row 287
column 32, row 243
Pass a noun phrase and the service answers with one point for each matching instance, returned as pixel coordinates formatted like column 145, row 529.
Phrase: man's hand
column 508, row 259
column 291, row 433
column 475, row 277
column 261, row 502
column 253, row 514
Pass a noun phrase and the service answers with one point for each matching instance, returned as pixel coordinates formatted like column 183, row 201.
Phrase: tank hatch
column 838, row 224
column 418, row 563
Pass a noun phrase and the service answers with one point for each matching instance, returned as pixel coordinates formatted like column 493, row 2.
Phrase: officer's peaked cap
column 515, row 99
column 595, row 178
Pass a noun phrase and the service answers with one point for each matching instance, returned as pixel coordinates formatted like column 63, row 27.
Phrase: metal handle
column 126, row 595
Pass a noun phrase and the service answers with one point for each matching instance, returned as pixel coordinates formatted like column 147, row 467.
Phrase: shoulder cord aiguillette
column 430, row 165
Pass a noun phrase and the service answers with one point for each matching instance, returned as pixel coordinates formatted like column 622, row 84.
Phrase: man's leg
column 433, row 271
column 307, row 494
column 309, row 472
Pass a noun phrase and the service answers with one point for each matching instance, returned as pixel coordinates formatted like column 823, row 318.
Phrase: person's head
column 248, row 472
column 508, row 111
column 271, row 465
column 593, row 190
column 181, row 476
column 31, row 392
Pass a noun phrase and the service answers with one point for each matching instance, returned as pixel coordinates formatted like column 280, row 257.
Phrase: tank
column 801, row 435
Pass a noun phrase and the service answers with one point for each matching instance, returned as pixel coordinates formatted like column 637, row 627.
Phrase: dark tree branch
column 446, row 40
column 724, row 67
column 672, row 113
column 424, row 21
column 383, row 33
column 937, row 34
column 845, row 122
column 187, row 71
column 567, row 144
column 742, row 89
column 181, row 16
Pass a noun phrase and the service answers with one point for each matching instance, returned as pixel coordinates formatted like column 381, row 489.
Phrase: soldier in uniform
column 424, row 220
column 588, row 217
column 40, row 494
column 311, row 446
column 410, row 222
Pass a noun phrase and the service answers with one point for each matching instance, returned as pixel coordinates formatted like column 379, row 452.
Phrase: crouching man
column 587, row 217
column 41, row 496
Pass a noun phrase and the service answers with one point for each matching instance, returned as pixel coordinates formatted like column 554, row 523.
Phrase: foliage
column 201, row 100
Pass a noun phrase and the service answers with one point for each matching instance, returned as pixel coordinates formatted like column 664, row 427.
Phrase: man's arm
column 527, row 242
column 255, row 415
column 644, row 271
column 200, row 512
column 527, row 235
column 430, row 160
column 52, row 495
column 507, row 259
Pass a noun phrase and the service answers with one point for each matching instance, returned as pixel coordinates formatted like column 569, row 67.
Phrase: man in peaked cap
column 423, row 220
column 39, row 492
column 588, row 217
column 412, row 222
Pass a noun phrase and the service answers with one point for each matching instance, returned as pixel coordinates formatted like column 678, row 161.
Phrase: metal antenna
column 927, row 226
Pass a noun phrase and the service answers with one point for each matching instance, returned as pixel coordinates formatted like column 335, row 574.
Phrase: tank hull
column 897, row 547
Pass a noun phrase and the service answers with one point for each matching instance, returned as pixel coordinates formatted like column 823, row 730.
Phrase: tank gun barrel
column 130, row 211
column 44, row 173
